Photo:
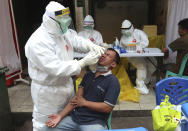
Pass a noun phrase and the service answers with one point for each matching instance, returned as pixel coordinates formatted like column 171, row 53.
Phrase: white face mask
column 102, row 68
column 127, row 33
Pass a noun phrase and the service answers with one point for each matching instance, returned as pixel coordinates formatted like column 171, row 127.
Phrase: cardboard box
column 150, row 30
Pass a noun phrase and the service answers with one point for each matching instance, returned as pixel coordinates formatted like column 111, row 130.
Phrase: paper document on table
column 152, row 50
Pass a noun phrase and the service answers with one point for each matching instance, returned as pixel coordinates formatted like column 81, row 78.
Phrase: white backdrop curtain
column 177, row 10
column 8, row 55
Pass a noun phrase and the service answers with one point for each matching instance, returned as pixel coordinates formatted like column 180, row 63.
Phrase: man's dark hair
column 184, row 23
column 117, row 57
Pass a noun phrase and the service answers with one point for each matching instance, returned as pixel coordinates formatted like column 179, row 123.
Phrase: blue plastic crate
column 175, row 87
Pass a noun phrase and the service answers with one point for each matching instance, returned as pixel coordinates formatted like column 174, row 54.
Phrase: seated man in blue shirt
column 95, row 99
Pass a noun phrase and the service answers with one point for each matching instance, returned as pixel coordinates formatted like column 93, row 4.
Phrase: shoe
column 142, row 87
column 143, row 90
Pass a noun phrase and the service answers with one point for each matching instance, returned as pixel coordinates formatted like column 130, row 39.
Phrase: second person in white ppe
column 50, row 53
column 89, row 32
column 138, row 37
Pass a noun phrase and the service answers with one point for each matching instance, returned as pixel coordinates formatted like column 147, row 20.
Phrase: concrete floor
column 117, row 123
column 125, row 115
column 20, row 98
column 21, row 101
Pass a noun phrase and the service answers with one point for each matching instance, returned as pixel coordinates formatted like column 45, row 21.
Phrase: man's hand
column 79, row 101
column 166, row 52
column 54, row 120
column 73, row 101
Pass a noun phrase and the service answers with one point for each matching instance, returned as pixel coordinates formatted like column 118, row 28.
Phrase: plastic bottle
column 116, row 45
column 119, row 47
column 117, row 42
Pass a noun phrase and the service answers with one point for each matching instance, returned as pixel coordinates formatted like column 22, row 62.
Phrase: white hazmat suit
column 89, row 32
column 50, row 51
column 129, row 36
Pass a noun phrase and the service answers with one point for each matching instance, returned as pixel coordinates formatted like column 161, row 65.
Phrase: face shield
column 88, row 26
column 63, row 19
column 88, row 23
column 127, row 31
column 64, row 22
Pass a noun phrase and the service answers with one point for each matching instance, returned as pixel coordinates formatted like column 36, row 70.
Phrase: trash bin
column 5, row 113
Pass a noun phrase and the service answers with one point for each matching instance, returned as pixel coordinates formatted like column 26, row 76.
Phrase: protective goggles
column 127, row 28
column 86, row 23
column 62, row 12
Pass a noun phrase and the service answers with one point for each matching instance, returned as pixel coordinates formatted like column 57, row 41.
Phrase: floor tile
column 20, row 100
column 22, row 109
column 145, row 106
column 117, row 107
column 125, row 105
column 147, row 99
column 28, row 102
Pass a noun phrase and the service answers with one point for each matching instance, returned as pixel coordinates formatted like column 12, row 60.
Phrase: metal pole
column 19, row 56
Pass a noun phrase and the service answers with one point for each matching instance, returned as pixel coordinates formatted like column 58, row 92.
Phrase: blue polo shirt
column 104, row 88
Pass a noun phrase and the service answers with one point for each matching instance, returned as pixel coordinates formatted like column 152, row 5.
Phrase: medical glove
column 90, row 59
column 105, row 45
column 96, row 48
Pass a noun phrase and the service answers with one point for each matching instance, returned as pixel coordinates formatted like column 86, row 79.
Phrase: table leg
column 159, row 65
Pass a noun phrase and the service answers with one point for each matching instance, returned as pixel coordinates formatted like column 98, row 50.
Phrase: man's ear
column 113, row 64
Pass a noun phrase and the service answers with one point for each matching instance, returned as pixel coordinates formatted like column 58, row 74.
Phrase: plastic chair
column 181, row 70
column 110, row 119
column 175, row 87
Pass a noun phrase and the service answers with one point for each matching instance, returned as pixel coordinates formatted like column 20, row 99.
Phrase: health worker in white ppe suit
column 138, row 37
column 50, row 51
column 89, row 32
